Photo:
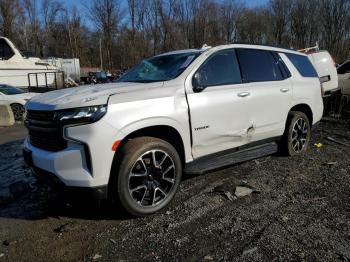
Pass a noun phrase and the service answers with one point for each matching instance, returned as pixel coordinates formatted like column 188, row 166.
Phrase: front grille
column 44, row 132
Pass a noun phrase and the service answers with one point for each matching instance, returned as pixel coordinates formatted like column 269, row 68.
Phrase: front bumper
column 86, row 161
column 70, row 192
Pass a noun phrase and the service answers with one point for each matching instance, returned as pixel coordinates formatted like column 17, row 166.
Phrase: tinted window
column 5, row 51
column 343, row 69
column 258, row 65
column 303, row 65
column 10, row 90
column 220, row 69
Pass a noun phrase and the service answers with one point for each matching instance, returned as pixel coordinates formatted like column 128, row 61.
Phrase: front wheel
column 297, row 134
column 18, row 111
column 149, row 174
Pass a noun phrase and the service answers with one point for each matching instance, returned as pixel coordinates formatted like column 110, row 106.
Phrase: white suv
column 193, row 110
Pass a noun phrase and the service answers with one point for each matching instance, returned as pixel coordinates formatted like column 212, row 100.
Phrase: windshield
column 10, row 90
column 160, row 68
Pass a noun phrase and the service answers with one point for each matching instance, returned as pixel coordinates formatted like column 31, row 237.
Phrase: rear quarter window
column 302, row 64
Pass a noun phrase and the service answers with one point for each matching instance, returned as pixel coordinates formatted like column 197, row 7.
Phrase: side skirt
column 231, row 157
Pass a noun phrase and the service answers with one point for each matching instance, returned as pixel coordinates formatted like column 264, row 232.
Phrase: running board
column 221, row 160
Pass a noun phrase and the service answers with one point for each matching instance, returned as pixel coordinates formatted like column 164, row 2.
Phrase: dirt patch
column 302, row 212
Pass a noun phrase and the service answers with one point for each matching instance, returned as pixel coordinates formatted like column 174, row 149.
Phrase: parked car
column 325, row 68
column 344, row 77
column 95, row 78
column 190, row 111
column 16, row 98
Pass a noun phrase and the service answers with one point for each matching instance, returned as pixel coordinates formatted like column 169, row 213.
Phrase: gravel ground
column 301, row 211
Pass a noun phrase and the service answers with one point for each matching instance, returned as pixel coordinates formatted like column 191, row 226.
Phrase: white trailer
column 70, row 67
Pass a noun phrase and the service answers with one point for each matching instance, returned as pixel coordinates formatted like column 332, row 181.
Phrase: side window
column 345, row 68
column 302, row 64
column 5, row 51
column 258, row 65
column 220, row 69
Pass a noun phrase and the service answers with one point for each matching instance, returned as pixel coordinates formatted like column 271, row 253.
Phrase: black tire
column 18, row 111
column 296, row 140
column 136, row 161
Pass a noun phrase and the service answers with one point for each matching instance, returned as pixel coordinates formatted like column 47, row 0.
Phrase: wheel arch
column 17, row 103
column 304, row 108
column 164, row 132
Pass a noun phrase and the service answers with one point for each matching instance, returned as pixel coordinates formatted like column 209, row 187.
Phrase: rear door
column 219, row 112
column 270, row 92
column 344, row 78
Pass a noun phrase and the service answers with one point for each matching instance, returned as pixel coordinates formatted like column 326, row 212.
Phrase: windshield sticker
column 187, row 62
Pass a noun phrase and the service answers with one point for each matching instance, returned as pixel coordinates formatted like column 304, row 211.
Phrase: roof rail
column 276, row 46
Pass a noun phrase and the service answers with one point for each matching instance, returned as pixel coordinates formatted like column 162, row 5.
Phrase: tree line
column 130, row 30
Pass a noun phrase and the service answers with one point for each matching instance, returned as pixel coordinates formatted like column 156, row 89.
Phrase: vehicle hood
column 19, row 97
column 84, row 96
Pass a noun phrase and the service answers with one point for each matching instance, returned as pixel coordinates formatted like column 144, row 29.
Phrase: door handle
column 284, row 90
column 244, row 94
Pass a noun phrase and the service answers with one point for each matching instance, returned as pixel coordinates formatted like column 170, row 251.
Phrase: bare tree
column 280, row 18
column 106, row 15
column 231, row 13
column 335, row 25
column 9, row 10
column 32, row 13
column 48, row 28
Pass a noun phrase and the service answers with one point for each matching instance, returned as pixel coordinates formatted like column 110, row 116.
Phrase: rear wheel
column 18, row 111
column 149, row 175
column 297, row 134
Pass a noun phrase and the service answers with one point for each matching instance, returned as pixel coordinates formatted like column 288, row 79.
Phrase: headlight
column 80, row 115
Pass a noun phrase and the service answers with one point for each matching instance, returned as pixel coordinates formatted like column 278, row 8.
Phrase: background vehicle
column 14, row 68
column 325, row 67
column 16, row 98
column 95, row 78
column 344, row 77
column 195, row 110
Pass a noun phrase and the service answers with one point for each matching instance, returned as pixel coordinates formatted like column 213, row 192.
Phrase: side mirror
column 196, row 83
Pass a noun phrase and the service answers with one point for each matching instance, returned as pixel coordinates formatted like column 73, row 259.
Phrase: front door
column 219, row 113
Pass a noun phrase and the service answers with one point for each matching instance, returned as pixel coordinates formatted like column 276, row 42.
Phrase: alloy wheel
column 18, row 111
column 299, row 135
column 152, row 178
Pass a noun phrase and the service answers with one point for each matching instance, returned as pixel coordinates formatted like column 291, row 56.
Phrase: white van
column 325, row 67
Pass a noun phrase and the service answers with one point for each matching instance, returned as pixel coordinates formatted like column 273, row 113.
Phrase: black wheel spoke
column 299, row 135
column 152, row 178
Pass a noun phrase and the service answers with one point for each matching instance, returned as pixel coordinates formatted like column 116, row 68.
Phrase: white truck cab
column 188, row 111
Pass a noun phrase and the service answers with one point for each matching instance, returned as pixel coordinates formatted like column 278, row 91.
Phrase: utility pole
column 101, row 65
